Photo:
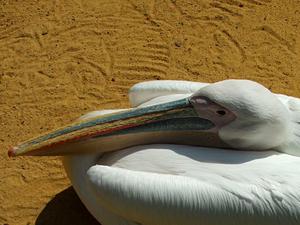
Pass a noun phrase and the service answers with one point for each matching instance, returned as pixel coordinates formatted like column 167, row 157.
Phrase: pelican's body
column 188, row 185
column 180, row 184
column 254, row 179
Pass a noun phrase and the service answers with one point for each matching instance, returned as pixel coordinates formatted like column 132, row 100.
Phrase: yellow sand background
column 61, row 59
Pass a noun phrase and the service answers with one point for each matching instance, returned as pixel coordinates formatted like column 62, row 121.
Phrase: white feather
column 176, row 185
column 292, row 146
column 179, row 184
column 145, row 91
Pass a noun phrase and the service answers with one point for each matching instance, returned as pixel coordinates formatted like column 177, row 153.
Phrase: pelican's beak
column 171, row 123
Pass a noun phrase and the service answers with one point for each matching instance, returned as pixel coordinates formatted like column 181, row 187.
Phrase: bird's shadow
column 65, row 209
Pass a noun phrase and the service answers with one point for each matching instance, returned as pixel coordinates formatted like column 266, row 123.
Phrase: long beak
column 170, row 123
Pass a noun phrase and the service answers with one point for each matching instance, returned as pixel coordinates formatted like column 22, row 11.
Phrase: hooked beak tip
column 12, row 152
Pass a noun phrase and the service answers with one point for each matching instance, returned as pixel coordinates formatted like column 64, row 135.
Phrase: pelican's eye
column 221, row 112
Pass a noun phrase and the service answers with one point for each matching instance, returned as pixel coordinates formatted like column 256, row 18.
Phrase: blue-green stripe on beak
column 168, row 118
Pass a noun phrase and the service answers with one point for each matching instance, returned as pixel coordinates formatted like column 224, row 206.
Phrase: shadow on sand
column 65, row 209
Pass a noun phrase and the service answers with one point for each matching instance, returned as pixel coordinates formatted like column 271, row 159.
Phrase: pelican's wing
column 145, row 91
column 191, row 185
column 149, row 198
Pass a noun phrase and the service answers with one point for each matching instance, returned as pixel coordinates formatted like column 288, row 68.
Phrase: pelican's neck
column 263, row 134
column 292, row 144
column 76, row 167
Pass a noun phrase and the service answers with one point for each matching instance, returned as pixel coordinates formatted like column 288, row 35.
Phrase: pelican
column 186, row 153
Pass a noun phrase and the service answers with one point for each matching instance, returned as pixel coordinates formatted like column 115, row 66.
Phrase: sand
column 61, row 59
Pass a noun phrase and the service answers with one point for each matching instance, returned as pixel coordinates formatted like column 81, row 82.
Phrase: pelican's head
column 241, row 114
column 246, row 114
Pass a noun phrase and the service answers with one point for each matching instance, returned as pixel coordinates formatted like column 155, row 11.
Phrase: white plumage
column 177, row 184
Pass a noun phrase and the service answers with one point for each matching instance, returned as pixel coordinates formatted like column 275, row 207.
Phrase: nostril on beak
column 221, row 112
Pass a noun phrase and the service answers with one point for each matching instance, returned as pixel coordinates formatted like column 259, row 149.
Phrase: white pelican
column 166, row 183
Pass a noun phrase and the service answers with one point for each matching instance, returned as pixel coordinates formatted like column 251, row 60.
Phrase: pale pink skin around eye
column 212, row 111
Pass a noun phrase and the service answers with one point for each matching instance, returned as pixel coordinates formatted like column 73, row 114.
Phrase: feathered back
column 293, row 104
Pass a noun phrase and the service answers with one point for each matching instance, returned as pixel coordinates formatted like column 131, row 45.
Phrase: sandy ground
column 61, row 59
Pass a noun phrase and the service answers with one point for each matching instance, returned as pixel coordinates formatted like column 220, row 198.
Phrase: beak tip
column 12, row 152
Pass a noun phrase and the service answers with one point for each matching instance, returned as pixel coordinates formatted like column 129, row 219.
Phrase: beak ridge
column 171, row 119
